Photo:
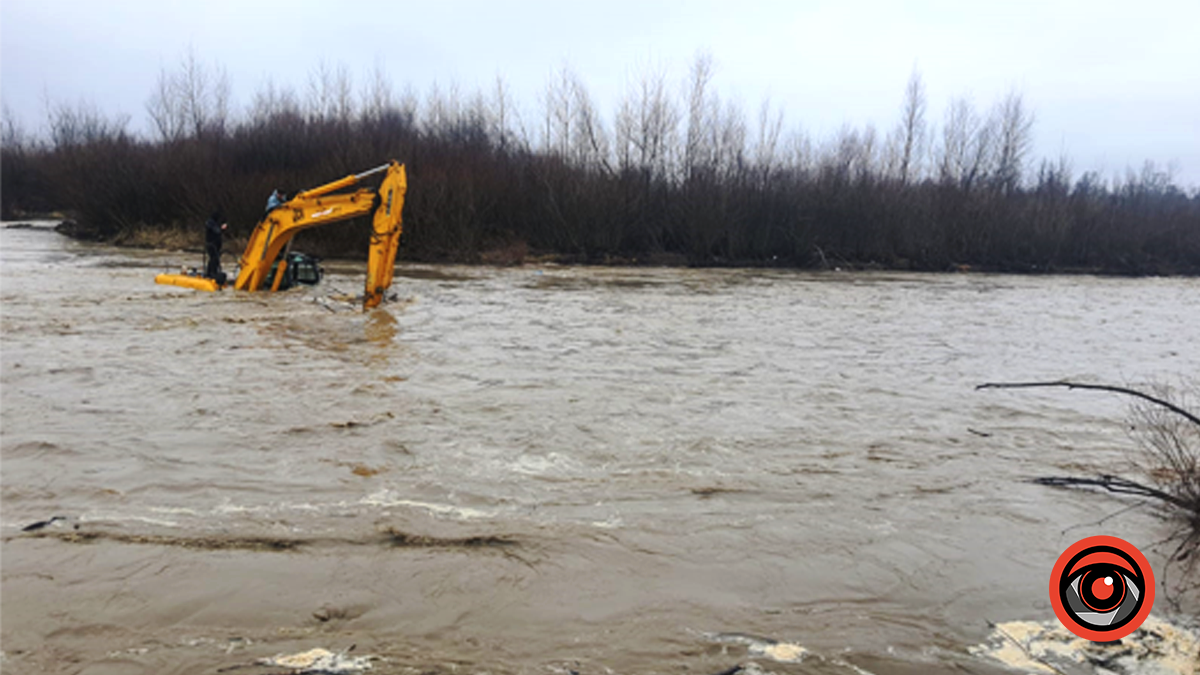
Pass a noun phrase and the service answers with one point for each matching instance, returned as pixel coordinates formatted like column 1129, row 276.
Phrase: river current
column 545, row 469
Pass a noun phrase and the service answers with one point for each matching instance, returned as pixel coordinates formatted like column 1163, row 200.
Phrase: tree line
column 675, row 173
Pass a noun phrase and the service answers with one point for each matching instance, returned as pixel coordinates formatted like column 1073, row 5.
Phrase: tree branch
column 1191, row 417
column 1114, row 484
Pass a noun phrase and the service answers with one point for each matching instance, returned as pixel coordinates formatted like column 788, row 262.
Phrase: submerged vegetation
column 676, row 174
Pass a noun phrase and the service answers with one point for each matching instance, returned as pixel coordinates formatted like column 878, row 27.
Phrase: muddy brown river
column 556, row 469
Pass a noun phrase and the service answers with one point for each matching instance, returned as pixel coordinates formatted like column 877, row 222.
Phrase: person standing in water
column 214, row 230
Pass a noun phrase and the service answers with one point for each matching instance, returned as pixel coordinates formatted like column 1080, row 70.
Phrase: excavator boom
column 321, row 206
column 385, row 236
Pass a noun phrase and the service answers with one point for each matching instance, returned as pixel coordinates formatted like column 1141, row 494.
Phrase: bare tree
column 909, row 136
column 502, row 114
column 190, row 102
column 330, row 93
column 729, row 142
column 702, row 110
column 957, row 133
column 166, row 110
column 12, row 134
column 590, row 140
column 982, row 157
column 271, row 101
column 442, row 110
column 572, row 128
column 852, row 154
column 648, row 126
column 558, row 106
column 800, row 152
column 410, row 104
column 868, row 153
column 968, row 144
column 378, row 99
column 73, row 126
column 1014, row 125
column 205, row 95
column 766, row 146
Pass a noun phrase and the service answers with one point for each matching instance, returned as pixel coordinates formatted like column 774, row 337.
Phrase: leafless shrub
column 1167, row 455
column 83, row 124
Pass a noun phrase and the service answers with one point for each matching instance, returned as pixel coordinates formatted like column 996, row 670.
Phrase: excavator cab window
column 301, row 269
column 306, row 268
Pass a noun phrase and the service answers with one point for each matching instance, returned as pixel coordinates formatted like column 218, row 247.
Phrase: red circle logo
column 1102, row 588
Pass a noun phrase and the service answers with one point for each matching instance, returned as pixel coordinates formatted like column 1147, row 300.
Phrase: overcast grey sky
column 1112, row 84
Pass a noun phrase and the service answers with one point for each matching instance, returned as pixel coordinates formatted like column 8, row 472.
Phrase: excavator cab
column 298, row 268
column 268, row 261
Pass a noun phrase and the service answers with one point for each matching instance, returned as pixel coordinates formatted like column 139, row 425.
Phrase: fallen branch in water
column 1097, row 387
column 1113, row 484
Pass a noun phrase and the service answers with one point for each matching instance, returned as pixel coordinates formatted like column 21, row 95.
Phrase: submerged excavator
column 268, row 261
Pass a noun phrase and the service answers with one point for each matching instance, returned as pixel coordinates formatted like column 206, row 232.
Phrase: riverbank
column 191, row 240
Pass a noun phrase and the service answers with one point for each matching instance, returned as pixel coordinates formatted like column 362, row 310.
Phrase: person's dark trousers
column 214, row 261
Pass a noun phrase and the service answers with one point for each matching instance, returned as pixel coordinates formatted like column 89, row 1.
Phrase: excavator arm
column 312, row 208
column 324, row 205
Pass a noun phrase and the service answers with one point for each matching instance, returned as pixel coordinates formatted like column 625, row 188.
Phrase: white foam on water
column 174, row 510
column 783, row 652
column 110, row 518
column 1158, row 647
column 319, row 660
column 228, row 508
column 386, row 498
column 610, row 523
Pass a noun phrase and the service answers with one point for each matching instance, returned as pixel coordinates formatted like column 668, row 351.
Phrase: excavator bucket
column 385, row 235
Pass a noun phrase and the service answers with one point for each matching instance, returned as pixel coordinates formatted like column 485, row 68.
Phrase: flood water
column 555, row 469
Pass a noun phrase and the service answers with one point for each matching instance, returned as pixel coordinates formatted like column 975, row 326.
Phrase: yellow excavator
column 266, row 261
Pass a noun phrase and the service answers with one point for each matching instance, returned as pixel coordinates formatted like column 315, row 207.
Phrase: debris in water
column 784, row 652
column 367, row 471
column 1156, row 648
column 404, row 539
column 350, row 424
column 319, row 662
column 330, row 613
column 33, row 527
